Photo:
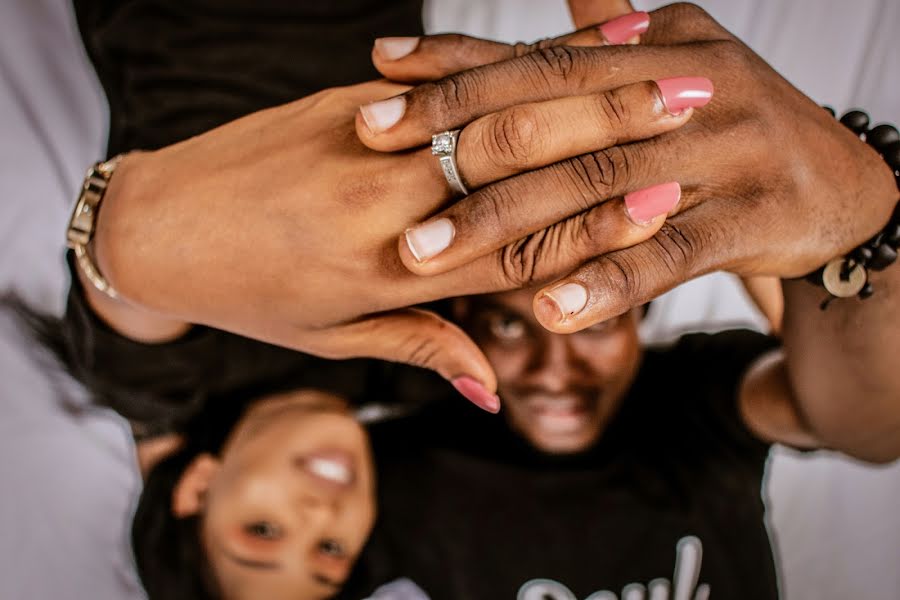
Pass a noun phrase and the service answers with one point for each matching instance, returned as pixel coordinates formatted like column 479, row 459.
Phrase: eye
column 331, row 548
column 507, row 328
column 263, row 530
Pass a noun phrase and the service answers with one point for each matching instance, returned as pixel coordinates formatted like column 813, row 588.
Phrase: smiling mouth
column 560, row 416
column 334, row 468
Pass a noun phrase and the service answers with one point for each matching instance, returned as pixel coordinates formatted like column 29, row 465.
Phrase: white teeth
column 331, row 470
column 559, row 406
column 560, row 424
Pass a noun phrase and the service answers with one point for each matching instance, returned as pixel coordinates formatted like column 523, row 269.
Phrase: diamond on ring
column 443, row 145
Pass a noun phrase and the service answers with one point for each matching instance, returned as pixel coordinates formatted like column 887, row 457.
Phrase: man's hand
column 771, row 183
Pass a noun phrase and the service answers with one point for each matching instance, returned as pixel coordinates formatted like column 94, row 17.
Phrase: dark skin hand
column 772, row 185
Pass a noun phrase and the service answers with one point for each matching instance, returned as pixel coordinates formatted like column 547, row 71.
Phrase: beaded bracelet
column 849, row 275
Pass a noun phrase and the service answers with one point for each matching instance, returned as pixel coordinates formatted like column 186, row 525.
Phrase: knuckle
column 614, row 109
column 637, row 276
column 422, row 351
column 599, row 174
column 514, row 137
column 555, row 62
column 494, row 206
column 523, row 48
column 675, row 250
column 621, row 274
column 454, row 95
column 729, row 54
column 520, row 260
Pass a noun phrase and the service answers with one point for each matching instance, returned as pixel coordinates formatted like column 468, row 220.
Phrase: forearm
column 843, row 365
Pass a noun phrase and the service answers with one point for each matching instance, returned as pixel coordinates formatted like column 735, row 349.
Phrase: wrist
column 115, row 237
column 879, row 190
column 877, row 209
column 117, row 234
column 127, row 319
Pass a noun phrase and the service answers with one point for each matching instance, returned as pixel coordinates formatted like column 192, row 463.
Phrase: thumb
column 420, row 338
column 593, row 12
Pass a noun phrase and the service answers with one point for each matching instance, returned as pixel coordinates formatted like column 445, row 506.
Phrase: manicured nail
column 477, row 394
column 679, row 93
column 622, row 29
column 380, row 116
column 430, row 239
column 395, row 48
column 645, row 205
column 569, row 298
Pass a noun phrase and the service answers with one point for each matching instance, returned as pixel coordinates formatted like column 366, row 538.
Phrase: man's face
column 558, row 391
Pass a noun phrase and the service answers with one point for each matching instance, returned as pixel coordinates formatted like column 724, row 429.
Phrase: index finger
column 552, row 71
column 409, row 120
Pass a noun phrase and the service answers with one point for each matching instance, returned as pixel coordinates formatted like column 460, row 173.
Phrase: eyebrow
column 272, row 566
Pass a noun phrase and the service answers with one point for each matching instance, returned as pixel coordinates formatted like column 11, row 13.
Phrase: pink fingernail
column 622, row 29
column 477, row 394
column 679, row 93
column 395, row 48
column 645, row 205
column 380, row 116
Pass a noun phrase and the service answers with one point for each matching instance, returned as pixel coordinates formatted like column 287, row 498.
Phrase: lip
column 330, row 468
column 559, row 416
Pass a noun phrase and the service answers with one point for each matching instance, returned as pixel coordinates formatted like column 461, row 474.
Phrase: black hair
column 168, row 550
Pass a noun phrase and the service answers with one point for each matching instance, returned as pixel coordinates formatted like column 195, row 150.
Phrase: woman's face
column 290, row 502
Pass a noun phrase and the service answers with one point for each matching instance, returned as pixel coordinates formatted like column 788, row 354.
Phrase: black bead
column 862, row 255
column 895, row 218
column 882, row 136
column 891, row 154
column 884, row 257
column 892, row 234
column 867, row 291
column 875, row 240
column 829, row 109
column 856, row 120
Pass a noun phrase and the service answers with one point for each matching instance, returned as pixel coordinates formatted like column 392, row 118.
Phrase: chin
column 566, row 446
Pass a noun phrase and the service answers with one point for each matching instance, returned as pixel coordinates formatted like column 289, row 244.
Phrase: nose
column 318, row 511
column 556, row 364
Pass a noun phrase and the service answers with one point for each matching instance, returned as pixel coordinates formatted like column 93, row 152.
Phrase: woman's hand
column 282, row 226
column 771, row 183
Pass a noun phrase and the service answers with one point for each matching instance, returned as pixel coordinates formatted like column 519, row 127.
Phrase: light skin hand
column 246, row 229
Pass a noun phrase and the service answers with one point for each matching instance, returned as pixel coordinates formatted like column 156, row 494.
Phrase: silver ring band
column 443, row 145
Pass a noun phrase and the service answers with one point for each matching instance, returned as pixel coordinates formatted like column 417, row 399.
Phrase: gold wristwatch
column 84, row 221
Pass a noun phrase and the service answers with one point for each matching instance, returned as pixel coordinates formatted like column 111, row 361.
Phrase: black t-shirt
column 469, row 510
column 172, row 69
